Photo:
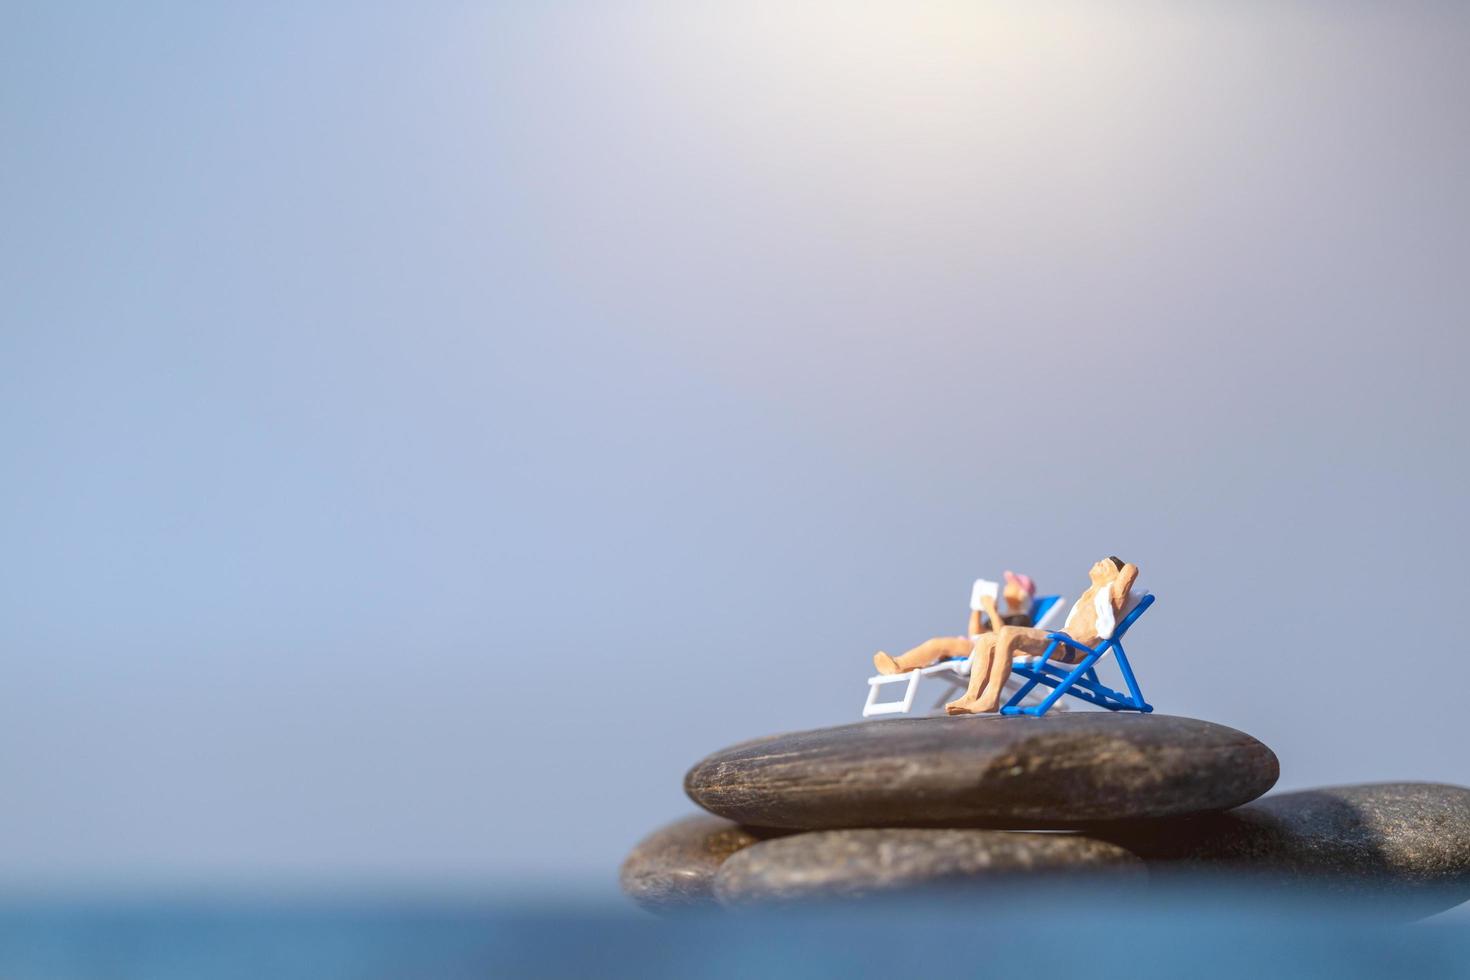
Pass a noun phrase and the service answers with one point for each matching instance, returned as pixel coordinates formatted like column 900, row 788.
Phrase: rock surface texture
column 852, row 863
column 674, row 867
column 1408, row 843
column 1074, row 770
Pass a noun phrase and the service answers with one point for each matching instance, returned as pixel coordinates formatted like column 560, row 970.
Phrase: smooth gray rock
column 674, row 867
column 1072, row 770
column 829, row 864
column 1408, row 843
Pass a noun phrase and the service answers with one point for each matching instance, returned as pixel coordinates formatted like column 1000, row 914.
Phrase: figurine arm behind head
column 1123, row 584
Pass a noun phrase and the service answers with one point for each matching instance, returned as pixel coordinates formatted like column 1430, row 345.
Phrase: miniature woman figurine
column 1019, row 595
column 1091, row 621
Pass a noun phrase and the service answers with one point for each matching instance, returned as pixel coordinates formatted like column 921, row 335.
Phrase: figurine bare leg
column 979, row 672
column 1012, row 642
column 926, row 653
column 986, row 688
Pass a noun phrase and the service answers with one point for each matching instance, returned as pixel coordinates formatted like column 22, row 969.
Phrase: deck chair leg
column 913, row 688
column 1020, row 694
column 1127, row 669
column 873, row 707
column 1066, row 683
column 872, row 700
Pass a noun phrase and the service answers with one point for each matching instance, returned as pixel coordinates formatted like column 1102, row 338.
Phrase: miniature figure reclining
column 991, row 650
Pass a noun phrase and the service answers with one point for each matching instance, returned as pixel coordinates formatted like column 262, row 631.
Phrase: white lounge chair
column 955, row 672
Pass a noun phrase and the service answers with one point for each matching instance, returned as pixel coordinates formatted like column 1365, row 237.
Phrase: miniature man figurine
column 1091, row 621
column 1020, row 592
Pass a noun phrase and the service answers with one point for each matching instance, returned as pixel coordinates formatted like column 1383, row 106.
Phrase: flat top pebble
column 1071, row 770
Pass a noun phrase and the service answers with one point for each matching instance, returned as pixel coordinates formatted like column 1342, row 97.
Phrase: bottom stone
column 852, row 863
column 1405, row 846
column 674, row 867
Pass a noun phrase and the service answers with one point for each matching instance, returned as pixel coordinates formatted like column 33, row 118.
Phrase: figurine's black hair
column 1117, row 562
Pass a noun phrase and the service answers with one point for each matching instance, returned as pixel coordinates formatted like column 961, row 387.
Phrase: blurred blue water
column 1179, row 932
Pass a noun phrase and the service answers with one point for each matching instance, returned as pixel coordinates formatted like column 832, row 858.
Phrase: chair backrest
column 1043, row 608
column 1128, row 620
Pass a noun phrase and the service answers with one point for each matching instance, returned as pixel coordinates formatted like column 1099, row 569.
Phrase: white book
column 983, row 588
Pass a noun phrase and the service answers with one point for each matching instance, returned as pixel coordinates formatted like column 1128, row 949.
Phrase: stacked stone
column 883, row 807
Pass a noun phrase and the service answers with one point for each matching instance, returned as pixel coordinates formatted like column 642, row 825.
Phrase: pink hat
column 1024, row 581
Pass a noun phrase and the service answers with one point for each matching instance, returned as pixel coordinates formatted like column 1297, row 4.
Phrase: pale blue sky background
column 427, row 429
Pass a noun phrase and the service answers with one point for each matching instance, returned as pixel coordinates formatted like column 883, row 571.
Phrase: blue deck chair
column 1080, row 679
column 952, row 670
